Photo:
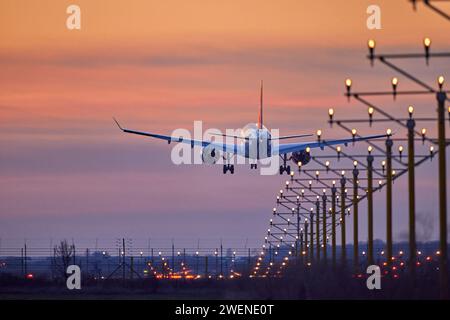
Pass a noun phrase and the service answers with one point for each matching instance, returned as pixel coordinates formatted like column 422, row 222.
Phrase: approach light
column 389, row 132
column 440, row 81
column 426, row 45
column 394, row 82
column 370, row 111
column 369, row 149
column 423, row 132
column 348, row 85
column 338, row 149
column 371, row 45
column 330, row 114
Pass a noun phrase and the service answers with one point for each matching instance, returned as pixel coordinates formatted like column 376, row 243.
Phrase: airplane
column 256, row 143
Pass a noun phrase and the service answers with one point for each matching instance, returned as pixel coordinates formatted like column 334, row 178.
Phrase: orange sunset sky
column 67, row 171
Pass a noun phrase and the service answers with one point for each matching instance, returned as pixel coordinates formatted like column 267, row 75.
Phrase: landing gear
column 228, row 167
column 284, row 167
column 253, row 166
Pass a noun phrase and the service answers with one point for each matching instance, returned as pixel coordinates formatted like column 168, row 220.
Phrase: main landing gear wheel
column 253, row 166
column 228, row 167
column 284, row 167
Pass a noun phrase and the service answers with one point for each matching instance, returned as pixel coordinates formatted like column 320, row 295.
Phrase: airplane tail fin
column 260, row 116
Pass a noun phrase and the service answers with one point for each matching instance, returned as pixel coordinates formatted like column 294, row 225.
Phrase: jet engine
column 301, row 156
column 210, row 155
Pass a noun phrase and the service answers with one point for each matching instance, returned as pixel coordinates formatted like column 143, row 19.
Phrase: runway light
column 426, row 45
column 410, row 111
column 343, row 173
column 308, row 149
column 371, row 45
column 338, row 150
column 330, row 114
column 431, row 151
column 400, row 150
column 394, row 82
column 370, row 112
column 389, row 132
column 354, row 133
column 319, row 134
column 369, row 149
column 355, row 163
column 440, row 81
column 348, row 85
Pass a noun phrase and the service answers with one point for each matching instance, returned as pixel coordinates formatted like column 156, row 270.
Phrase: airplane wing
column 228, row 148
column 297, row 147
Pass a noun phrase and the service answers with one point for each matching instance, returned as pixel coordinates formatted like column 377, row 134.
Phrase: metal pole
column 343, row 248
column 324, row 227
column 333, row 225
column 306, row 242
column 355, row 220
column 221, row 259
column 301, row 247
column 412, row 195
column 389, row 144
column 441, row 97
column 370, row 255
column 311, row 239
column 318, row 230
column 298, row 234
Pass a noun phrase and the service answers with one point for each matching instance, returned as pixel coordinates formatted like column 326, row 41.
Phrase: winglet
column 117, row 124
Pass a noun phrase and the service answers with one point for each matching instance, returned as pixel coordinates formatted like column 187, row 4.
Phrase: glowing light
column 427, row 42
column 331, row 112
column 348, row 83
column 410, row 109
column 388, row 132
column 394, row 81
column 371, row 44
